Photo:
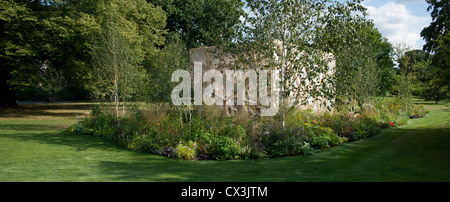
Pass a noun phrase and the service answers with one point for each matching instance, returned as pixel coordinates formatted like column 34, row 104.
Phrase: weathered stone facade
column 213, row 58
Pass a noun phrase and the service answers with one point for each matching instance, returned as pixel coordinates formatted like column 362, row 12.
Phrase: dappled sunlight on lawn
column 47, row 111
column 42, row 150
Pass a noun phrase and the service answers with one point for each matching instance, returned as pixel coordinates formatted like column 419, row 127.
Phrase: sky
column 400, row 21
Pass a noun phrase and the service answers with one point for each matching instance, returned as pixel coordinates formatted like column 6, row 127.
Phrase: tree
column 60, row 35
column 287, row 35
column 438, row 86
column 404, row 73
column 128, row 37
column 358, row 76
column 364, row 67
column 383, row 50
column 19, row 58
column 202, row 22
column 160, row 66
column 437, row 38
column 440, row 14
column 40, row 34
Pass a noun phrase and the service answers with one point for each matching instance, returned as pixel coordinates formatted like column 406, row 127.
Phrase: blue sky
column 400, row 21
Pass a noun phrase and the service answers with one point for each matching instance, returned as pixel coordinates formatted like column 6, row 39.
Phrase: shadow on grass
column 54, row 136
column 29, row 127
column 50, row 110
column 400, row 154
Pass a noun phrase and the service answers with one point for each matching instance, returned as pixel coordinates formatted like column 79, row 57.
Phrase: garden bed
column 184, row 134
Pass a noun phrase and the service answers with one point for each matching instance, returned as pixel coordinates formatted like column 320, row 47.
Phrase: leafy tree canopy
column 202, row 22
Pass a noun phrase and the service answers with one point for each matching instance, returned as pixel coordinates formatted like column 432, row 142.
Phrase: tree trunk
column 6, row 90
column 123, row 106
column 116, row 95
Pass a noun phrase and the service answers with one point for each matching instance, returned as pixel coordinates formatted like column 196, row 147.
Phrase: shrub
column 224, row 148
column 203, row 140
column 417, row 112
column 143, row 143
column 289, row 147
column 236, row 132
column 165, row 132
column 321, row 141
column 187, row 152
column 326, row 138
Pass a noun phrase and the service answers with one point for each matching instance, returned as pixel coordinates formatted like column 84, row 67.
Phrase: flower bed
column 241, row 136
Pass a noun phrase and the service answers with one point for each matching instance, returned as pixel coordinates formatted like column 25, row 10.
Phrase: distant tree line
column 126, row 50
column 104, row 49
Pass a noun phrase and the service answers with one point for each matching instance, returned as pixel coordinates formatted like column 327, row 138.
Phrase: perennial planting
column 242, row 136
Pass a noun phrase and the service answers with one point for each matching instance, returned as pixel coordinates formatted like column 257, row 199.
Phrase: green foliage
column 364, row 129
column 160, row 66
column 289, row 147
column 19, row 55
column 225, row 138
column 51, row 44
column 202, row 22
column 236, row 132
column 437, row 38
column 364, row 68
column 440, row 11
column 224, row 148
column 127, row 37
column 186, row 151
column 438, row 86
column 39, row 144
column 327, row 139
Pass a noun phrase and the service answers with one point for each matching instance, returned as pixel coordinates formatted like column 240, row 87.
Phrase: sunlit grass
column 39, row 149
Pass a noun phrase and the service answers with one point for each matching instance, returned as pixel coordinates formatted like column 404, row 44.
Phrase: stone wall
column 213, row 58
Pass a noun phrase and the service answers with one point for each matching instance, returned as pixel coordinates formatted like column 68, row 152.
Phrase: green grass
column 38, row 149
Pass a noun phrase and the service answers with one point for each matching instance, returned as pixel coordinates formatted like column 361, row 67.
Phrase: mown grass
column 36, row 147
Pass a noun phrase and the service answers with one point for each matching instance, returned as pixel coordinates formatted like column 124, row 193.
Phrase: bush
column 187, row 152
column 235, row 132
column 326, row 138
column 289, row 147
column 31, row 93
column 161, row 131
column 224, row 148
column 417, row 112
column 203, row 140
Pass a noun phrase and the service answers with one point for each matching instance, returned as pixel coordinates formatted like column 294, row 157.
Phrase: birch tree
column 285, row 34
column 130, row 31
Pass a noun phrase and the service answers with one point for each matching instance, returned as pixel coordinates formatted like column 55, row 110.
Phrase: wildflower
column 179, row 142
column 157, row 124
column 390, row 123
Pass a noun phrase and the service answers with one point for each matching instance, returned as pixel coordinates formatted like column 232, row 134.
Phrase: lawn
column 34, row 146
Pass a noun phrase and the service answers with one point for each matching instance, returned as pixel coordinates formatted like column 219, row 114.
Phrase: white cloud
column 398, row 24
